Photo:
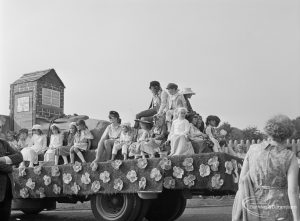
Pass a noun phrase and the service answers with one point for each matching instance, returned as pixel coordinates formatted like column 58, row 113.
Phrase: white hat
column 187, row 90
column 36, row 127
column 54, row 125
column 73, row 124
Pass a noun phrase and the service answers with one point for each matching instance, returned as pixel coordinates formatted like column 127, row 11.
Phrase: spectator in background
column 158, row 103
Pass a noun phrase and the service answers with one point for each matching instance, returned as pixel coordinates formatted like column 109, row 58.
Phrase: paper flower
column 155, row 174
column 216, row 181
column 67, row 178
column 47, row 180
column 85, row 178
column 37, row 170
column 96, row 186
column 169, row 182
column 189, row 180
column 30, row 184
column 142, row 183
column 24, row 193
column 223, row 132
column 165, row 164
column 214, row 163
column 105, row 177
column 178, row 172
column 116, row 164
column 41, row 192
column 118, row 184
column 55, row 171
column 75, row 188
column 94, row 166
column 77, row 166
column 56, row 189
column 22, row 171
column 142, row 163
column 131, row 176
column 204, row 170
column 229, row 167
column 188, row 164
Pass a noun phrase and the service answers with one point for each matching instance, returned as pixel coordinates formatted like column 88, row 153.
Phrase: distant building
column 36, row 95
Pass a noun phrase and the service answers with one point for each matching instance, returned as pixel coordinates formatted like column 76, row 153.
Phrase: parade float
column 130, row 190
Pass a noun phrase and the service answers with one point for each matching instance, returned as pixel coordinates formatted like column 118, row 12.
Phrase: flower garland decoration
column 56, row 189
column 95, row 186
column 85, row 178
column 142, row 163
column 41, row 192
column 55, row 171
column 165, row 163
column 37, row 170
column 142, row 183
column 178, row 172
column 47, row 180
column 94, row 166
column 24, row 193
column 30, row 184
column 169, row 182
column 105, row 177
column 229, row 167
column 118, row 184
column 214, row 163
column 22, row 171
column 75, row 188
column 77, row 166
column 189, row 180
column 188, row 164
column 216, row 181
column 67, row 178
column 155, row 174
column 204, row 170
column 116, row 164
column 132, row 176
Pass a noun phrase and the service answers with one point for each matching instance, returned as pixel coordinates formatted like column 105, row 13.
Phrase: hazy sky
column 242, row 58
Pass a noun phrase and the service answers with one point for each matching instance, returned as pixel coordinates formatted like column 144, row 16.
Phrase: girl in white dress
column 211, row 123
column 178, row 137
column 38, row 145
column 56, row 141
column 24, row 140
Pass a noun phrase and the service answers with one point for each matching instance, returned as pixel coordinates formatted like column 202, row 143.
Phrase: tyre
column 30, row 211
column 116, row 207
column 167, row 207
column 143, row 210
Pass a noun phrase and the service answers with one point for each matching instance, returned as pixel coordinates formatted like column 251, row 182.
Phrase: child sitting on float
column 38, row 145
column 178, row 137
column 64, row 151
column 56, row 141
column 158, row 136
column 211, row 123
column 123, row 142
column 11, row 140
column 82, row 141
column 24, row 139
column 142, row 137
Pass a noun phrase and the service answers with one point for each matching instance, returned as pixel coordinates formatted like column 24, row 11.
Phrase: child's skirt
column 151, row 147
column 135, row 149
column 49, row 155
column 120, row 146
column 81, row 146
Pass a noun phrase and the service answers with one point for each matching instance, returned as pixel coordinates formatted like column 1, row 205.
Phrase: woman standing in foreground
column 268, row 186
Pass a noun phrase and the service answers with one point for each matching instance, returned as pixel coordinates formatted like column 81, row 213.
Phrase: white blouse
column 38, row 143
column 179, row 127
column 56, row 140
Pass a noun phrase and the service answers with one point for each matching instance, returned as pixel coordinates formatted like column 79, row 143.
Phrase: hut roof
column 34, row 76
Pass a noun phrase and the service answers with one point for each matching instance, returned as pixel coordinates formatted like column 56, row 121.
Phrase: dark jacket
column 5, row 169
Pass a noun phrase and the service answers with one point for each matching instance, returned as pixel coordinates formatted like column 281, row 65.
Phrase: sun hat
column 36, row 127
column 188, row 90
column 172, row 86
column 54, row 125
column 72, row 124
column 154, row 84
